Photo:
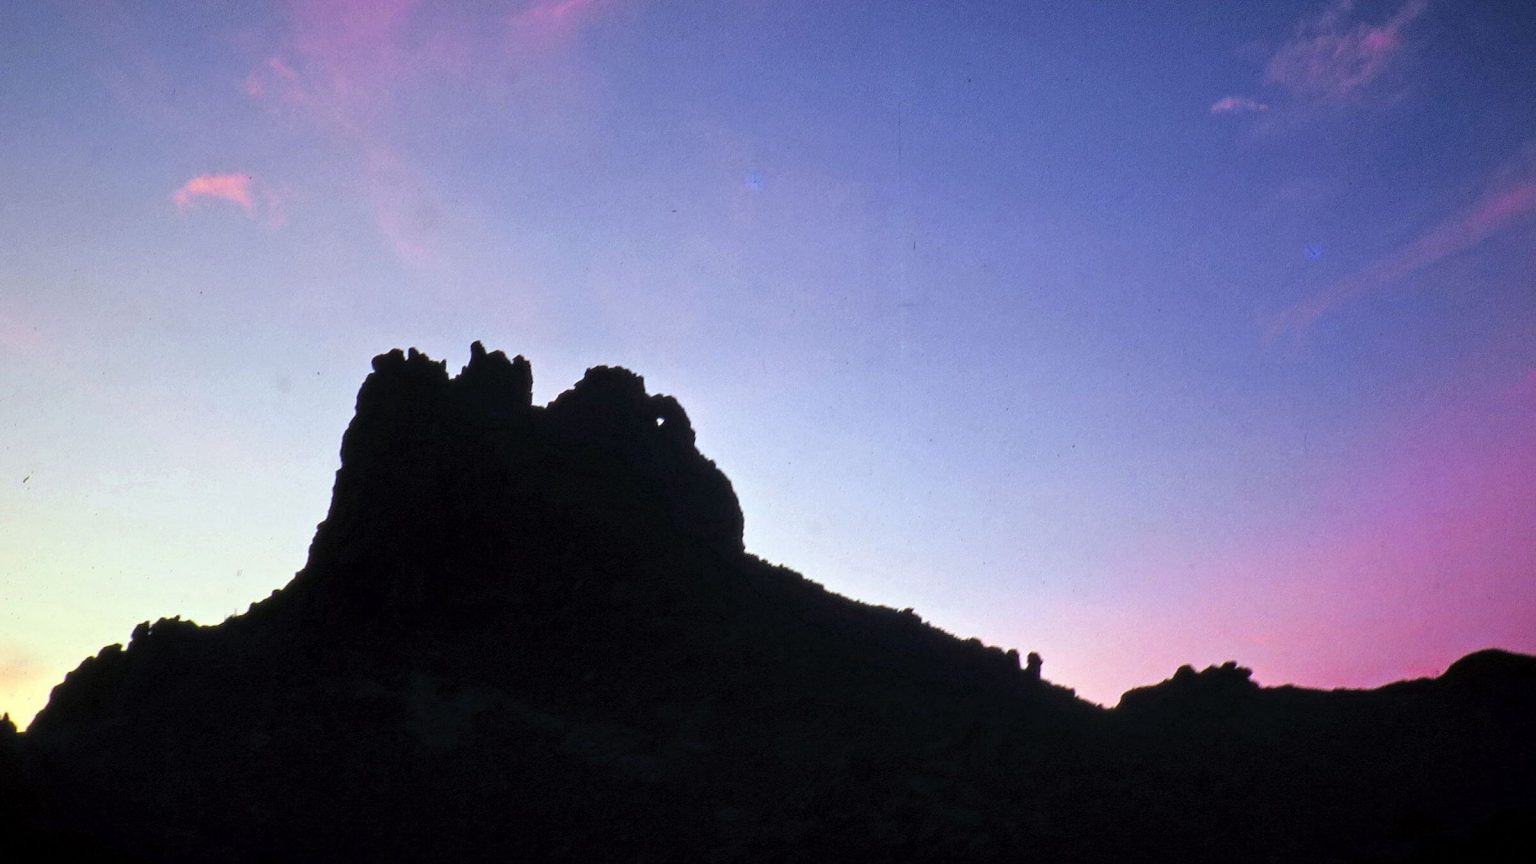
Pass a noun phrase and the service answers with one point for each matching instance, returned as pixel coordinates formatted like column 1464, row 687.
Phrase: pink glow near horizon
column 1414, row 561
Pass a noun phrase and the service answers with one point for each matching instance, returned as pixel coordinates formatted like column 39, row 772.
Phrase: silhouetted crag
column 531, row 632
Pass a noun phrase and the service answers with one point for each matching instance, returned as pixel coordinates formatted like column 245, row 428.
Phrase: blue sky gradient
column 1134, row 334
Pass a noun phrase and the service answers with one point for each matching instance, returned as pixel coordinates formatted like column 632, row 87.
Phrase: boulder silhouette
column 532, row 633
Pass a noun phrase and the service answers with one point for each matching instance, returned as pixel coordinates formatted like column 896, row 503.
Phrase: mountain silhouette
column 533, row 633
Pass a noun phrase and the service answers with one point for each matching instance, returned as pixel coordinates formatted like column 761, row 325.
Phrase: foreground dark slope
column 533, row 632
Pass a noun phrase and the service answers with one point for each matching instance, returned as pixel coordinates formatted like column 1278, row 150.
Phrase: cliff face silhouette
column 532, row 633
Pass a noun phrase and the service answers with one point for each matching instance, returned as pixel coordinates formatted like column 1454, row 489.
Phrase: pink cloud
column 553, row 15
column 359, row 71
column 258, row 201
column 355, row 48
column 407, row 210
column 1332, row 59
column 1495, row 211
column 556, row 10
column 357, row 66
column 273, row 77
column 234, row 188
column 1237, row 105
column 345, row 68
column 274, row 205
column 353, row 69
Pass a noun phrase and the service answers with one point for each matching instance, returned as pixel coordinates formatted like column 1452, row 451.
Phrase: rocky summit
column 532, row 633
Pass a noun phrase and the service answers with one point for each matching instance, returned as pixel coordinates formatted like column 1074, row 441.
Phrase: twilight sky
column 1136, row 334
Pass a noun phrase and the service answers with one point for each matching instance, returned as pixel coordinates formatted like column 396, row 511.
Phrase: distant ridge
column 532, row 633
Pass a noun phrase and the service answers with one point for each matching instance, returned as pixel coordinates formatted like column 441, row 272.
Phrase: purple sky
column 1133, row 334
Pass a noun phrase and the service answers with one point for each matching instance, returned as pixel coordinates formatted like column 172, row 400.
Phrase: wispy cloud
column 234, row 188
column 547, row 19
column 1333, row 58
column 342, row 68
column 1237, row 105
column 1507, row 204
column 360, row 71
column 559, row 12
column 273, row 78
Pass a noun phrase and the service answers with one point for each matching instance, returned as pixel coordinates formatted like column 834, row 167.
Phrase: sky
column 1135, row 334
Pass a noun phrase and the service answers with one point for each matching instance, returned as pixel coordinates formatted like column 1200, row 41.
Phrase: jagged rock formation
column 531, row 632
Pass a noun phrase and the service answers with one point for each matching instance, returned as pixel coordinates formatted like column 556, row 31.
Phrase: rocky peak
column 466, row 470
column 495, row 384
column 1188, row 689
column 530, row 633
column 610, row 402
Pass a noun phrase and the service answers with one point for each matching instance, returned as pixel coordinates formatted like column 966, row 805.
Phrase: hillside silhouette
column 533, row 633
